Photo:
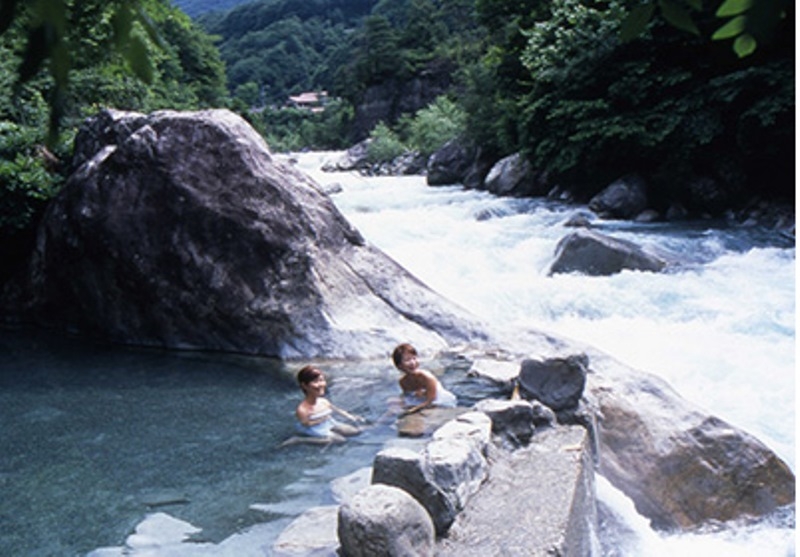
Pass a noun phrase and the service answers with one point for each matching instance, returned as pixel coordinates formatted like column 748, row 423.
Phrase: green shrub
column 26, row 184
column 435, row 125
column 384, row 145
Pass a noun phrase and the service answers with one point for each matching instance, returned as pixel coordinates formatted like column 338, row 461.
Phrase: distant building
column 313, row 101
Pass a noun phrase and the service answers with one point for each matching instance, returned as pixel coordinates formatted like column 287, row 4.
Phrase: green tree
column 670, row 106
column 378, row 57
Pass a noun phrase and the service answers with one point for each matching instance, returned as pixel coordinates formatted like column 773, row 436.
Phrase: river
column 98, row 441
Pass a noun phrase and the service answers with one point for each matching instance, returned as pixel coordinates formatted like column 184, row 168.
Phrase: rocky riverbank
column 630, row 197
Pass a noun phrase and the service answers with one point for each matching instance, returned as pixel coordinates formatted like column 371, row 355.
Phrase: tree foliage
column 558, row 82
column 668, row 106
column 59, row 61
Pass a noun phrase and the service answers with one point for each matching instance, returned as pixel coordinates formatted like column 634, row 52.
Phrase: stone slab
column 538, row 501
column 425, row 422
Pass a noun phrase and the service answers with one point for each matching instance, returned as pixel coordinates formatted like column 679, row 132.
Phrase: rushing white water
column 720, row 327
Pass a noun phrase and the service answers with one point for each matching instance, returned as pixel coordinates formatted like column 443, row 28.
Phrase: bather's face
column 317, row 386
column 409, row 363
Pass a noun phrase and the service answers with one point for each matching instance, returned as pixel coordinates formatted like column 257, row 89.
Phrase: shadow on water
column 96, row 437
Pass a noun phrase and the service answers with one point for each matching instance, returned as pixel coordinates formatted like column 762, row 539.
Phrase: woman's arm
column 346, row 414
column 430, row 386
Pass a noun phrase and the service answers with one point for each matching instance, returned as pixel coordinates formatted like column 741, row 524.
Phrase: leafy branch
column 47, row 25
column 748, row 21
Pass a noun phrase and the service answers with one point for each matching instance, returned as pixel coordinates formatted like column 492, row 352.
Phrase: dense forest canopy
column 589, row 90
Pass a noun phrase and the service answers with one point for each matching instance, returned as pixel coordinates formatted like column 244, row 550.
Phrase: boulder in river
column 623, row 199
column 180, row 230
column 591, row 253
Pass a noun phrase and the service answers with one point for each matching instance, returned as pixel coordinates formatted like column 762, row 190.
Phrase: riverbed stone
column 514, row 176
column 512, row 420
column 384, row 520
column 450, row 163
column 426, row 421
column 502, row 372
column 345, row 487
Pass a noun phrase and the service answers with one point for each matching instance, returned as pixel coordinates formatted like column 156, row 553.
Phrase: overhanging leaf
column 139, row 59
column 745, row 45
column 733, row 7
column 731, row 29
column 122, row 23
column 636, row 22
column 677, row 16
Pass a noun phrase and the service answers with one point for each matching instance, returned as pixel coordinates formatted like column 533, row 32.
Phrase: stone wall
column 467, row 491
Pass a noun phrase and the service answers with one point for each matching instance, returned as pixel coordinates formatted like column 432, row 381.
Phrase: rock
column 551, row 484
column 512, row 420
column 446, row 473
column 591, row 253
column 450, row 164
column 384, row 520
column 355, row 158
column 514, row 176
column 623, row 199
column 681, row 467
column 647, row 216
column 425, row 422
column 345, row 487
column 676, row 211
column 580, row 219
column 706, row 195
column 408, row 163
column 556, row 382
column 502, row 372
column 389, row 99
column 475, row 177
column 313, row 533
column 543, row 416
column 184, row 232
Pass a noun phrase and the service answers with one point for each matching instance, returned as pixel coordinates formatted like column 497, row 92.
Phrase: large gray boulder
column 180, row 230
column 681, row 466
column 591, row 253
column 555, row 382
